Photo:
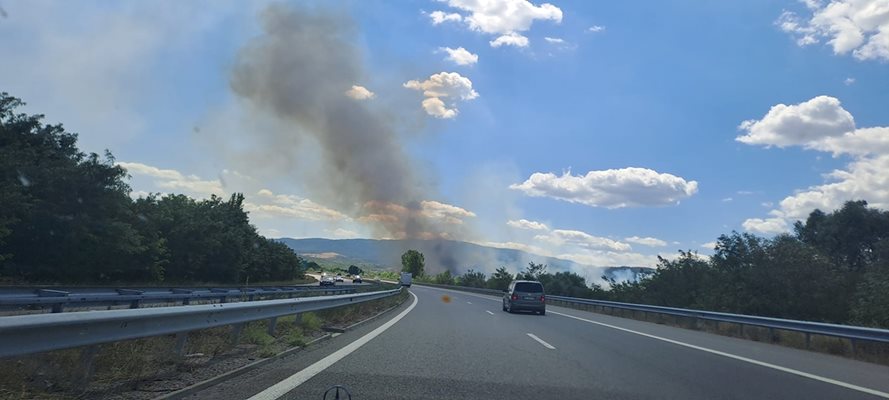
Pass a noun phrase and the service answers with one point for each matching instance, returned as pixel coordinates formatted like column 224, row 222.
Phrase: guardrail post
column 236, row 333
column 273, row 323
column 808, row 340
column 181, row 339
column 133, row 303
column 186, row 301
column 87, row 367
column 57, row 307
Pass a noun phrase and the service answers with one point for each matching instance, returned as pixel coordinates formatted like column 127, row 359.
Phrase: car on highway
column 357, row 279
column 339, row 278
column 326, row 281
column 524, row 296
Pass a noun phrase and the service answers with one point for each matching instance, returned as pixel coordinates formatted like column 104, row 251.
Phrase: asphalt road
column 467, row 348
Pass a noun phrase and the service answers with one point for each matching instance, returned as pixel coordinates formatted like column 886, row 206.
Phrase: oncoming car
column 524, row 296
column 339, row 278
column 326, row 281
column 357, row 279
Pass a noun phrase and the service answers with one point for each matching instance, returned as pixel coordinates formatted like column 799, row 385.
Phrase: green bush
column 310, row 322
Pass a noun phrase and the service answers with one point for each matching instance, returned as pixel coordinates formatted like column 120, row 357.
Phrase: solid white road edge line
column 281, row 388
column 489, row 312
column 724, row 354
column 539, row 340
column 739, row 358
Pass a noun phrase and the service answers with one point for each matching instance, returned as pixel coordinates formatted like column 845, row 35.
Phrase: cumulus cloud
column 510, row 39
column 646, row 241
column 442, row 86
column 271, row 205
column 613, row 188
column 857, row 26
column 554, row 40
column 709, row 245
column 596, row 28
column 504, row 19
column 528, row 225
column 174, row 181
column 863, row 179
column 460, row 56
column 800, row 124
column 360, row 93
column 438, row 17
column 768, row 226
column 564, row 236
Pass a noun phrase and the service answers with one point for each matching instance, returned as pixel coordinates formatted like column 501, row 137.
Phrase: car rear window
column 528, row 287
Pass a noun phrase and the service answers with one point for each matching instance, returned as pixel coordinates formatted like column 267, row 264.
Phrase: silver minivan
column 524, row 296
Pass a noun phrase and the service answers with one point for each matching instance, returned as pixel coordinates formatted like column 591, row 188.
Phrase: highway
column 467, row 348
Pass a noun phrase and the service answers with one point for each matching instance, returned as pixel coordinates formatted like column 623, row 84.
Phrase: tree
column 444, row 278
column 413, row 261
column 353, row 270
column 533, row 272
column 472, row 278
column 500, row 279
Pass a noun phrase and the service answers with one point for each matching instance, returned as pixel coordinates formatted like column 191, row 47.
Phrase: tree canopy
column 68, row 217
column 413, row 261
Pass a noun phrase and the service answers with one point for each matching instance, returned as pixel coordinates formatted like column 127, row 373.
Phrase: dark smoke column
column 298, row 71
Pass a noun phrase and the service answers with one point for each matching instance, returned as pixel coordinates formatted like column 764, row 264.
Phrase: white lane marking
column 281, row 388
column 468, row 302
column 539, row 340
column 739, row 358
column 489, row 312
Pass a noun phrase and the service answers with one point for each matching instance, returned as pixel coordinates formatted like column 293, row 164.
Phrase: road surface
column 468, row 348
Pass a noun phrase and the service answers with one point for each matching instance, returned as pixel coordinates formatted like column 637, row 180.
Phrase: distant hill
column 443, row 255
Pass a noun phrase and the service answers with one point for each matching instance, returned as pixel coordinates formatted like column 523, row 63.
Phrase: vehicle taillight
column 542, row 298
column 515, row 297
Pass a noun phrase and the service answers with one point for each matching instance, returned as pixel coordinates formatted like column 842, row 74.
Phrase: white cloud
column 863, row 179
column 768, row 226
column 596, row 28
column 528, row 225
column 800, row 124
column 564, row 236
column 554, row 40
column 359, row 93
column 613, row 188
column 175, row 181
column 438, row 17
column 510, row 39
column 745, row 192
column 460, row 56
column 503, row 18
column 444, row 85
column 857, row 26
column 271, row 205
column 727, row 199
column 709, row 245
column 646, row 241
column 444, row 212
column 849, row 81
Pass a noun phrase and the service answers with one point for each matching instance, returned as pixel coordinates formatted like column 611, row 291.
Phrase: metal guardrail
column 26, row 334
column 59, row 298
column 806, row 327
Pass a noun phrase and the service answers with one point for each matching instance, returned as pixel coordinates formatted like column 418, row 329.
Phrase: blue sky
column 635, row 109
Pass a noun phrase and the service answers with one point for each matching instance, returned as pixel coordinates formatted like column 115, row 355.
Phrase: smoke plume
column 299, row 70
